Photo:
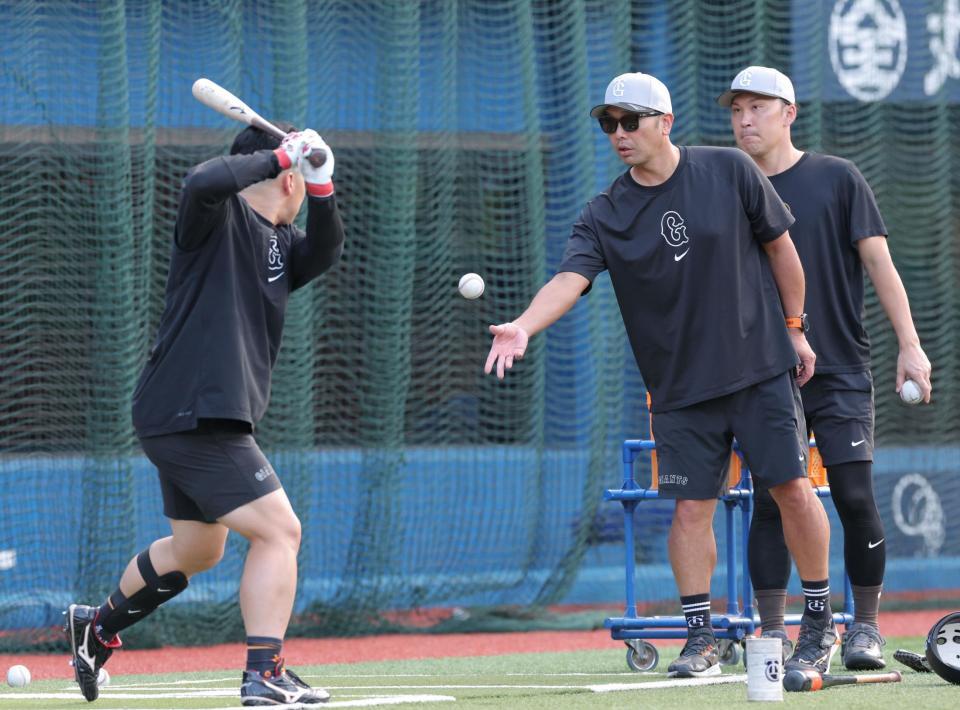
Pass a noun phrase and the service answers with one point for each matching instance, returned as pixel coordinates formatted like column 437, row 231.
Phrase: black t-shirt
column 231, row 274
column 695, row 288
column 834, row 208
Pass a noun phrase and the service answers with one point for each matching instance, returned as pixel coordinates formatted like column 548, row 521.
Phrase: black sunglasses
column 629, row 121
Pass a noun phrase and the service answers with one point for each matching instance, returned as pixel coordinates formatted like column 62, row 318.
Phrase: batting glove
column 319, row 179
column 292, row 148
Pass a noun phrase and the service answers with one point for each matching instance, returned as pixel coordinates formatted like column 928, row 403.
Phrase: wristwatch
column 800, row 323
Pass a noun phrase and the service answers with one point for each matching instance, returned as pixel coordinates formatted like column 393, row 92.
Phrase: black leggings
column 864, row 552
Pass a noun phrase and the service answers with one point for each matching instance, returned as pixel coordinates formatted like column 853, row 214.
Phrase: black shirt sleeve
column 316, row 250
column 864, row 215
column 583, row 254
column 206, row 188
column 769, row 217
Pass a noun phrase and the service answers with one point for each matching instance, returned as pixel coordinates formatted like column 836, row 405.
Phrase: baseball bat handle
column 316, row 158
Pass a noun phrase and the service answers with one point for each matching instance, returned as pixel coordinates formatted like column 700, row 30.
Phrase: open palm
column 509, row 343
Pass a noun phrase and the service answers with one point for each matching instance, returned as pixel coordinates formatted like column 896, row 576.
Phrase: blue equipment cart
column 731, row 627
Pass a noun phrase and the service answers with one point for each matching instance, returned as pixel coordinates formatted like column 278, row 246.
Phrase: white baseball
column 471, row 286
column 18, row 676
column 910, row 392
column 103, row 678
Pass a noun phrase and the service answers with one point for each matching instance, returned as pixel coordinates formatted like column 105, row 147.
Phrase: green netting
column 429, row 494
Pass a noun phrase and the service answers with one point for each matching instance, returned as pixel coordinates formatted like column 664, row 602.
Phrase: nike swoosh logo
column 271, row 279
column 678, row 257
column 134, row 611
column 162, row 590
column 871, row 545
column 857, row 443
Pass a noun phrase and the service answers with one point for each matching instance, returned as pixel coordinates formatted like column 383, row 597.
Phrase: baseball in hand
column 910, row 392
column 471, row 286
column 18, row 676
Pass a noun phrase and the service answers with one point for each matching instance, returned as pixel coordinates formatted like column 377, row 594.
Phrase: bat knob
column 317, row 158
column 797, row 681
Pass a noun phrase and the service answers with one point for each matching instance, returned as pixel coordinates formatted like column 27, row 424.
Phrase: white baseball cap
column 763, row 81
column 635, row 92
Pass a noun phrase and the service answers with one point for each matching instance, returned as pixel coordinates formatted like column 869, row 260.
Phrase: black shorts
column 840, row 415
column 693, row 443
column 210, row 471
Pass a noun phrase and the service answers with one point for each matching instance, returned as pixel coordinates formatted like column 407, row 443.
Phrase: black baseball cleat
column 698, row 659
column 89, row 653
column 278, row 687
column 815, row 647
column 862, row 648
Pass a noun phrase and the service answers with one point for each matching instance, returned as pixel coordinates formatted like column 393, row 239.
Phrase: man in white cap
column 715, row 350
column 838, row 231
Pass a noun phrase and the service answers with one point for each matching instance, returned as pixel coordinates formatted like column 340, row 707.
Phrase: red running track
column 303, row 652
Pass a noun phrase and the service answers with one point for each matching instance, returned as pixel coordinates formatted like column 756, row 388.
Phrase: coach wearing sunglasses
column 711, row 292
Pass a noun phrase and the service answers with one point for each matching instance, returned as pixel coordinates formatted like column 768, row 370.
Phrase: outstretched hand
column 509, row 344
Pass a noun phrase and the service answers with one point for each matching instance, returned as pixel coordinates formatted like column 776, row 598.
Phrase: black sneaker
column 862, row 648
column 815, row 647
column 698, row 659
column 89, row 653
column 278, row 687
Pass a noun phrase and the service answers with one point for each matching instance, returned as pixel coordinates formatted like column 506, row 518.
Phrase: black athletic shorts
column 693, row 443
column 840, row 415
column 209, row 471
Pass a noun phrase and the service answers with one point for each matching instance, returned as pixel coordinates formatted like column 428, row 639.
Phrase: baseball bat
column 809, row 680
column 222, row 101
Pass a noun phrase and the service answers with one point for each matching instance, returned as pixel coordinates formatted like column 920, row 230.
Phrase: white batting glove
column 291, row 150
column 319, row 179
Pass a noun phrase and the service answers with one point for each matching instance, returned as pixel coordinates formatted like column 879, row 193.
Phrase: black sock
column 263, row 653
column 816, row 600
column 696, row 610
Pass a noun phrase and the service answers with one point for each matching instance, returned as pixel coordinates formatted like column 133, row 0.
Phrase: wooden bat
column 222, row 101
column 809, row 680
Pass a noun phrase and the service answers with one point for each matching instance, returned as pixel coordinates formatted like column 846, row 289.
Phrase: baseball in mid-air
column 471, row 286
column 18, row 676
column 910, row 392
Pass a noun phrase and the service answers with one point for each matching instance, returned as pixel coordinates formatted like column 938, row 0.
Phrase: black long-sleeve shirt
column 231, row 274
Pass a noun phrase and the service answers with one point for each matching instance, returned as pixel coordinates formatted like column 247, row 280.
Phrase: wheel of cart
column 642, row 655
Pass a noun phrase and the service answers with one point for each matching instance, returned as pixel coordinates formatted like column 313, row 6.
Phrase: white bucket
column 764, row 659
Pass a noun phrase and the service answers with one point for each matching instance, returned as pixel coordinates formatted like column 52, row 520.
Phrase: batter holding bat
column 236, row 257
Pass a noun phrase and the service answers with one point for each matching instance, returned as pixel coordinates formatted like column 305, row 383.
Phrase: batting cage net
column 431, row 496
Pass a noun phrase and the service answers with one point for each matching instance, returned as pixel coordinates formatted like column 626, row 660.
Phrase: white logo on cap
column 868, row 46
column 618, row 88
column 746, row 78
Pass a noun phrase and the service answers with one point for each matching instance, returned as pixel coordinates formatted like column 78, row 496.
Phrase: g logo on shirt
column 673, row 229
column 274, row 259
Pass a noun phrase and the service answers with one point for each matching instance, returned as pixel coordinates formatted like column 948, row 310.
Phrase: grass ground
column 528, row 681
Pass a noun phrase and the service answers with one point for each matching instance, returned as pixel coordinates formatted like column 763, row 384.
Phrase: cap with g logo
column 763, row 81
column 635, row 92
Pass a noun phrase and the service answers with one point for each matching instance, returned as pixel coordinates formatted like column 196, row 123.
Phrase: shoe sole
column 864, row 663
column 711, row 671
column 74, row 657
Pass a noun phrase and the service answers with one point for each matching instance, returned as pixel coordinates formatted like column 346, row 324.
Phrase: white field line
column 365, row 702
column 674, row 683
column 160, row 693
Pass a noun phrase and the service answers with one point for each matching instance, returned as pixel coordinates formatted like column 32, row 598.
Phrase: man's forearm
column 554, row 299
column 893, row 298
column 788, row 274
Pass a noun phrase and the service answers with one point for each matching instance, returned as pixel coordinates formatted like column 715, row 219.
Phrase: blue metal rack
column 738, row 621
